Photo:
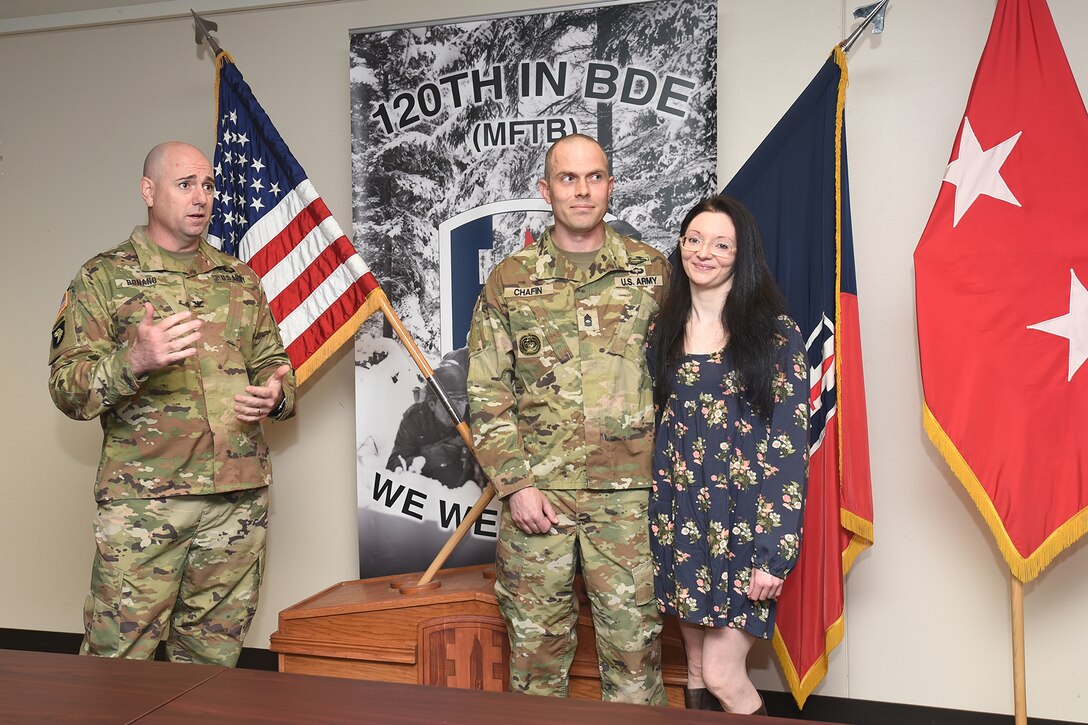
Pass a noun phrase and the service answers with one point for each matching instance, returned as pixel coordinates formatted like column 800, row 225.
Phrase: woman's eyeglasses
column 722, row 248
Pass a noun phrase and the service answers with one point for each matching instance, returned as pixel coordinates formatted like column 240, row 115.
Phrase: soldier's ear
column 544, row 190
column 147, row 191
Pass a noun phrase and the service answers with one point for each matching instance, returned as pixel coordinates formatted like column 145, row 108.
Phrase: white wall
column 928, row 613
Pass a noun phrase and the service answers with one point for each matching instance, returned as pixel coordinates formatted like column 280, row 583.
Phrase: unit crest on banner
column 450, row 125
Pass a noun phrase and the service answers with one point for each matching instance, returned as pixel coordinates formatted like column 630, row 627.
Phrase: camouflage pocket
column 236, row 314
column 539, row 347
column 130, row 312
column 258, row 576
column 101, row 615
column 643, row 576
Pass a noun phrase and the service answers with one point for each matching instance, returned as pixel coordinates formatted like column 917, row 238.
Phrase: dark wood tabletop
column 40, row 687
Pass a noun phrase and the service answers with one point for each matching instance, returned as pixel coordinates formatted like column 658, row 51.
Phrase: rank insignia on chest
column 587, row 321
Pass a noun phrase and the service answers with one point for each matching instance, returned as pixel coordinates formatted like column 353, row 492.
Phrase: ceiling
column 29, row 16
column 29, row 8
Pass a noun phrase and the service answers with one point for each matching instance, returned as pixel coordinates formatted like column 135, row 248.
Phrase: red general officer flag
column 1002, row 307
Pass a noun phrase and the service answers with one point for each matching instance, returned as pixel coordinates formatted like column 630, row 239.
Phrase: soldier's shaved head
column 550, row 156
column 178, row 187
column 156, row 157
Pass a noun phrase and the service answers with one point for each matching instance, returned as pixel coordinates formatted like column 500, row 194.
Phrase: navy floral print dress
column 729, row 488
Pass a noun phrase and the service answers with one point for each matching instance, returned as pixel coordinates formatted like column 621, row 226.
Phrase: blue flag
column 795, row 183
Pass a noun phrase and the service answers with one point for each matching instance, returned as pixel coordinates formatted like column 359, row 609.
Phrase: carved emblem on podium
column 467, row 652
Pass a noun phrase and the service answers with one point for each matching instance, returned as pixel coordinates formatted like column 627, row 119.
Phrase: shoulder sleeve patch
column 63, row 305
column 58, row 325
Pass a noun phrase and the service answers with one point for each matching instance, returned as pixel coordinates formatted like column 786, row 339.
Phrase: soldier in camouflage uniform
column 170, row 343
column 561, row 412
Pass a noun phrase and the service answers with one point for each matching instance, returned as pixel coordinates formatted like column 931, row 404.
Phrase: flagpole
column 1019, row 680
column 876, row 13
column 204, row 34
column 425, row 583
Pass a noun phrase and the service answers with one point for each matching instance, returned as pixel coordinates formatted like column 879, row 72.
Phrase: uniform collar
column 152, row 258
column 611, row 257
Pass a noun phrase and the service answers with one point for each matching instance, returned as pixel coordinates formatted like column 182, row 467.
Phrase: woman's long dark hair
column 749, row 316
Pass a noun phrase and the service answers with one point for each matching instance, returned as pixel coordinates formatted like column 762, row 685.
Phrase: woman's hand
column 763, row 586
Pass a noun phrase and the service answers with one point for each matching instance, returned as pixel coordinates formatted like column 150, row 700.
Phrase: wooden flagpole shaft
column 1019, row 681
column 477, row 510
column 463, row 528
column 424, row 366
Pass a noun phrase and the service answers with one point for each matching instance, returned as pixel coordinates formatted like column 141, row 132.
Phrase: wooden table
column 43, row 687
column 40, row 687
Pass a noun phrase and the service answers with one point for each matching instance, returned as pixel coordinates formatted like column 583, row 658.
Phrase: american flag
column 268, row 214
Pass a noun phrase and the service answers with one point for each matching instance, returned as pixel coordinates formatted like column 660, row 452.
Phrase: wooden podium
column 451, row 636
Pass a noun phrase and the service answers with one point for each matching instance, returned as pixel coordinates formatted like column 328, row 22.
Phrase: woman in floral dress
column 730, row 462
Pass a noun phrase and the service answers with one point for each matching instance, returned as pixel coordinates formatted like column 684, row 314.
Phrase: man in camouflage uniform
column 170, row 343
column 561, row 411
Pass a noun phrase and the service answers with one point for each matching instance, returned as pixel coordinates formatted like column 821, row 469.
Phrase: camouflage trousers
column 606, row 533
column 187, row 565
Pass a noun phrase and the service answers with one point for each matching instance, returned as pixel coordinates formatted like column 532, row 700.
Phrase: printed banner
column 450, row 124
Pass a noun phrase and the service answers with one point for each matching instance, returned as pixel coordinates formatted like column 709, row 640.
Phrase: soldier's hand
column 163, row 343
column 764, row 586
column 261, row 400
column 531, row 511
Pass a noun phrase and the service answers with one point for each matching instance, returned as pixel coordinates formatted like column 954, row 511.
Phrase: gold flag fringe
column 861, row 529
column 1023, row 568
column 338, row 338
column 859, row 542
column 221, row 58
column 802, row 686
column 840, row 106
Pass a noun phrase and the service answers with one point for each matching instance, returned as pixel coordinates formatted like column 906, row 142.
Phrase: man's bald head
column 178, row 187
column 549, row 158
column 155, row 162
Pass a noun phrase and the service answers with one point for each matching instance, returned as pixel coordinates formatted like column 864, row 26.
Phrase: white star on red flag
column 1073, row 326
column 976, row 171
column 992, row 294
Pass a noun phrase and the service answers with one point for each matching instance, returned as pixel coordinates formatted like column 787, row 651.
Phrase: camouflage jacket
column 173, row 432
column 559, row 392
